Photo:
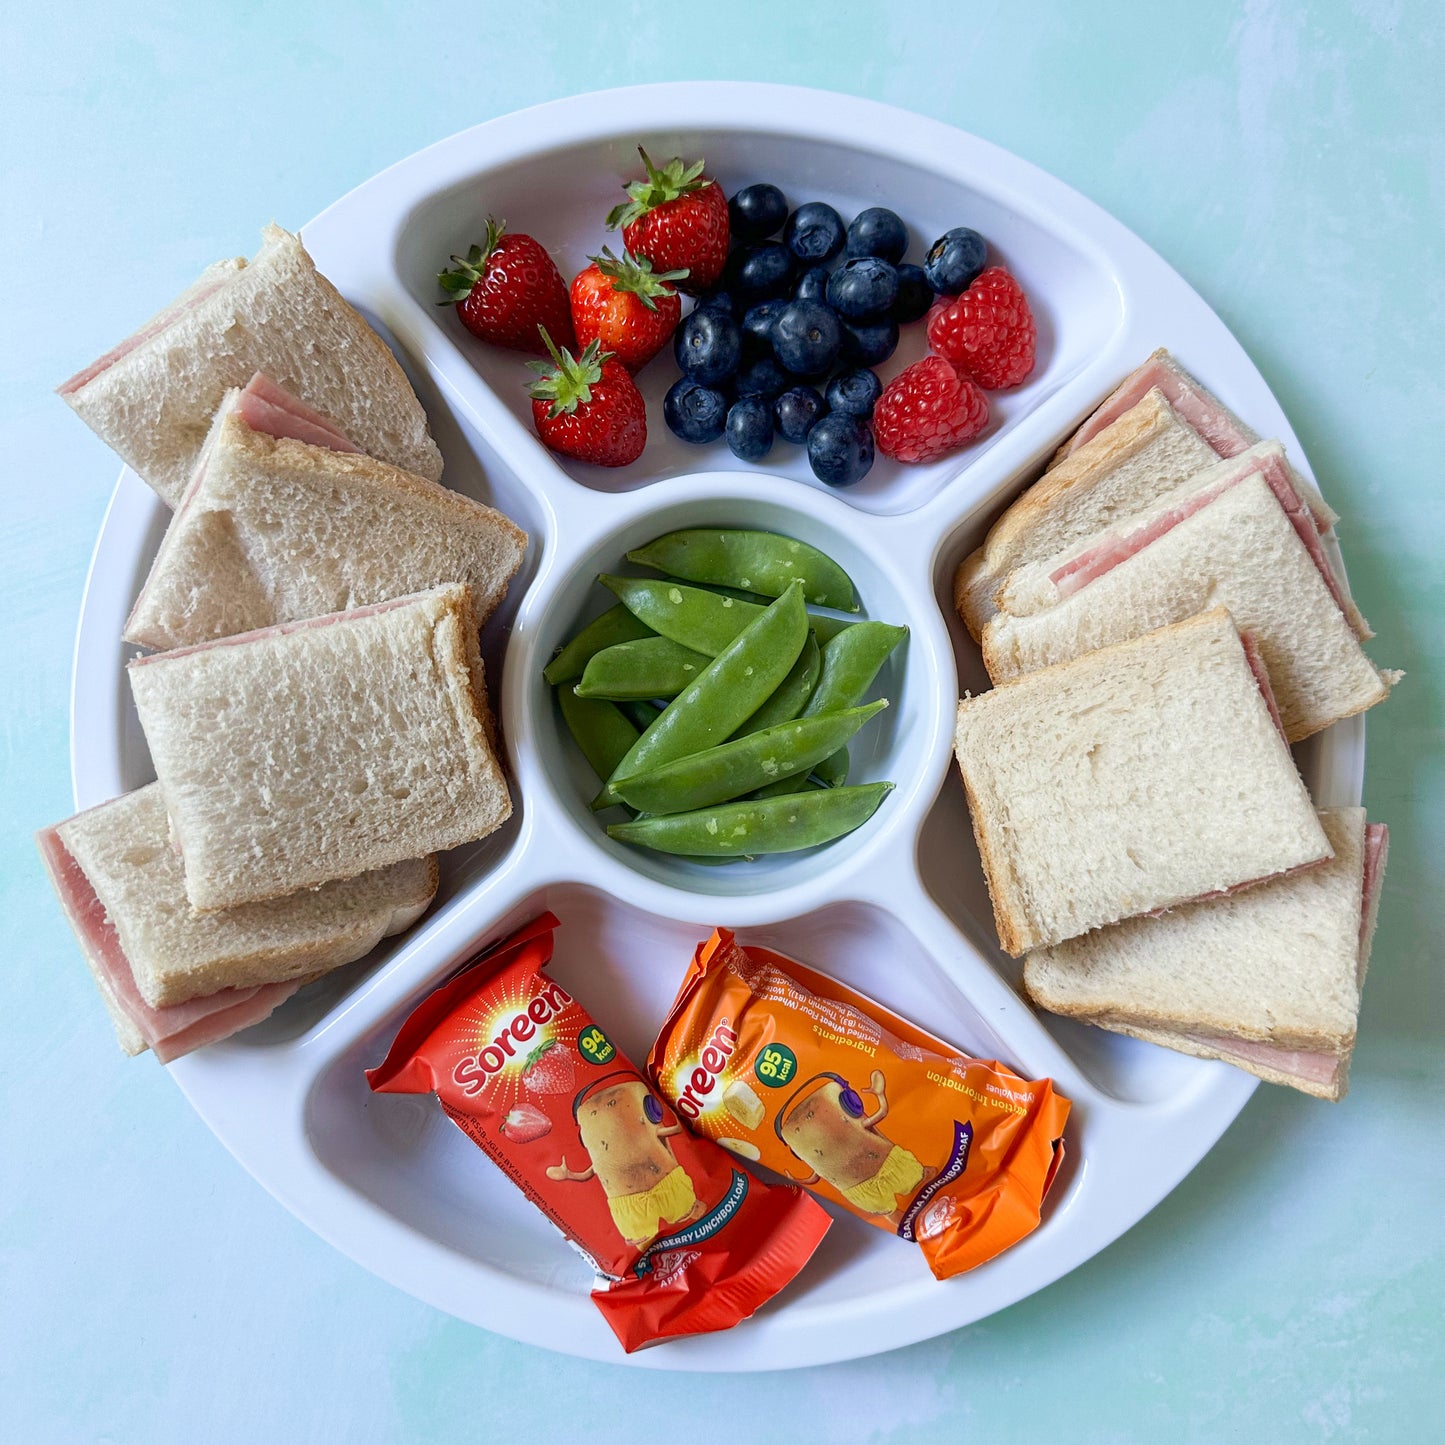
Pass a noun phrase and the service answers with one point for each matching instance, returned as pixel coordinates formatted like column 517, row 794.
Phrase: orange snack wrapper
column 682, row 1241
column 800, row 1073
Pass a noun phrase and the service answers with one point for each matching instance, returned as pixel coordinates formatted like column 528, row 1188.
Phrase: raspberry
column 928, row 410
column 988, row 333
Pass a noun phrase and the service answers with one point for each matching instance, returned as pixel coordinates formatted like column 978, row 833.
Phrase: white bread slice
column 153, row 397
column 321, row 749
column 1147, row 452
column 1130, row 779
column 1239, row 550
column 176, row 954
column 1280, row 965
column 274, row 529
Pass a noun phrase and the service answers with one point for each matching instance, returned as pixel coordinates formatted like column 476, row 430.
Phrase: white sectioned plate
column 898, row 909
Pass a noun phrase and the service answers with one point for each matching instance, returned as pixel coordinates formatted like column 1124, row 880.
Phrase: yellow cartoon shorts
column 901, row 1173
column 640, row 1216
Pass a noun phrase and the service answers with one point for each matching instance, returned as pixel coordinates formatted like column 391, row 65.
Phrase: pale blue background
column 1288, row 158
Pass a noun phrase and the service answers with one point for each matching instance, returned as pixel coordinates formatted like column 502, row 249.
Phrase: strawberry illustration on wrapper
column 548, row 1070
column 681, row 1239
column 523, row 1123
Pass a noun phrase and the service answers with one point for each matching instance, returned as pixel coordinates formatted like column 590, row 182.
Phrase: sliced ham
column 266, row 406
column 276, row 629
column 1261, row 678
column 1304, row 1064
column 1377, row 839
column 1214, row 422
column 1102, row 557
column 1196, row 407
column 169, row 1032
column 152, row 329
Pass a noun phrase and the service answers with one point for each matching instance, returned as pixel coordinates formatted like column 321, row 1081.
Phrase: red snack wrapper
column 682, row 1241
column 827, row 1087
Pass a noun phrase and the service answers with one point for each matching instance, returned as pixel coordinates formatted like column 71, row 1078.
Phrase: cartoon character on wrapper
column 827, row 1127
column 620, row 1121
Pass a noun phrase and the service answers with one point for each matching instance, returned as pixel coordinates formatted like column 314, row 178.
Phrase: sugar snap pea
column 636, row 671
column 728, row 691
column 697, row 617
column 615, row 625
column 825, row 626
column 771, row 825
column 792, row 692
column 763, row 562
column 737, row 767
column 598, row 728
column 851, row 661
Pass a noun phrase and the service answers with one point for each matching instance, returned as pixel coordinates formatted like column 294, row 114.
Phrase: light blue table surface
column 1289, row 159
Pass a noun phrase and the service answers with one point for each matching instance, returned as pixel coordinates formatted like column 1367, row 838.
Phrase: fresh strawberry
column 626, row 307
column 525, row 1122
column 678, row 219
column 588, row 406
column 508, row 287
column 927, row 411
column 548, row 1070
column 988, row 333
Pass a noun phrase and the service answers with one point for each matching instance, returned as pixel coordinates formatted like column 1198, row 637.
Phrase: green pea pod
column 728, row 691
column 615, row 625
column 599, row 729
column 636, row 671
column 793, row 691
column 697, row 617
column 850, row 663
column 737, row 767
column 825, row 627
column 770, row 825
column 763, row 562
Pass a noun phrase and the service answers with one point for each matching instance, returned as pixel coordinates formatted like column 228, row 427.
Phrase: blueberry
column 812, row 285
column 862, row 288
column 758, row 323
column 750, row 428
column 915, row 295
column 955, row 261
column 855, row 392
column 716, row 301
column 707, row 346
column 806, row 338
column 694, row 413
column 756, row 212
column 840, row 449
column 878, row 232
column 762, row 376
column 814, row 233
column 760, row 272
column 795, row 411
column 869, row 343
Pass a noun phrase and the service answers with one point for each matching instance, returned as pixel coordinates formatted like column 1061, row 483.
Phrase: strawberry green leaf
column 635, row 274
column 566, row 381
column 675, row 179
column 472, row 267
